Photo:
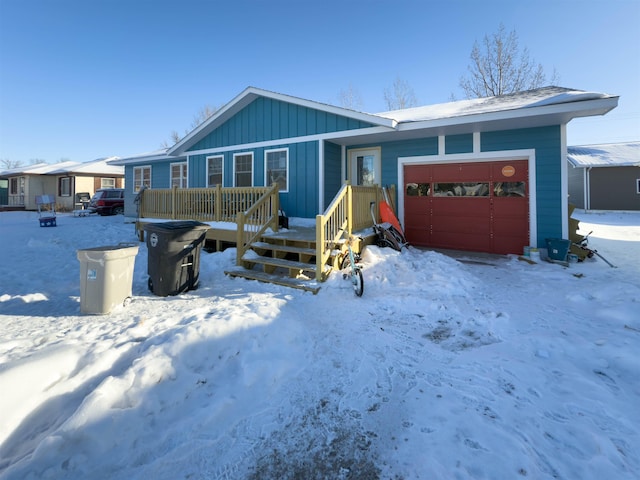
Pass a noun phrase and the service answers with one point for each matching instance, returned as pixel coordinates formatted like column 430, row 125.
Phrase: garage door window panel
column 418, row 189
column 509, row 189
column 461, row 189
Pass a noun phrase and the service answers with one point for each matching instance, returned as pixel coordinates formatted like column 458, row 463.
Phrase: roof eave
column 520, row 117
column 249, row 95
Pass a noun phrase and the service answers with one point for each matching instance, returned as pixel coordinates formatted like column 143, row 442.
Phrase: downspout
column 587, row 188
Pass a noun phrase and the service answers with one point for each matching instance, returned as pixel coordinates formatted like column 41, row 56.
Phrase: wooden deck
column 247, row 219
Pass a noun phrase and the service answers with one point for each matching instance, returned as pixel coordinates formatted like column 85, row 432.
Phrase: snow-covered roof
column 37, row 169
column 100, row 166
column 534, row 108
column 605, row 155
column 97, row 167
column 540, row 97
column 141, row 158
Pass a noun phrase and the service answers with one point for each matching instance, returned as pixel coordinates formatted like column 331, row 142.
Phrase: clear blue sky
column 83, row 79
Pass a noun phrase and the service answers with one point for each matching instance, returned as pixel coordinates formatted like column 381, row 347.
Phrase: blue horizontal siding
column 547, row 142
column 267, row 119
column 458, row 143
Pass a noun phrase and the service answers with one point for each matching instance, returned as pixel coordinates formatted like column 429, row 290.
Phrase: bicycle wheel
column 358, row 282
column 345, row 267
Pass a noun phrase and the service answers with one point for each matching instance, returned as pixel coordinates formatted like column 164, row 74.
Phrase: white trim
column 377, row 163
column 526, row 154
column 320, row 176
column 266, row 183
column 477, row 145
column 206, row 166
column 186, row 174
column 238, row 154
column 343, row 164
column 442, row 144
column 133, row 180
column 289, row 141
column 564, row 182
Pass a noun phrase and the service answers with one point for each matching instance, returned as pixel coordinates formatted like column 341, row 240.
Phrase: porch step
column 274, row 247
column 291, row 265
column 300, row 284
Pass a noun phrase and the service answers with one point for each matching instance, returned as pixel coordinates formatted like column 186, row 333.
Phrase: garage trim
column 528, row 154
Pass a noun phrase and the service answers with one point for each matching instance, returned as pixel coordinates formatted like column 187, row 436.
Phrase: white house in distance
column 605, row 177
column 64, row 180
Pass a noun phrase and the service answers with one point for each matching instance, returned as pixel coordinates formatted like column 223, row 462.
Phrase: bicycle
column 351, row 263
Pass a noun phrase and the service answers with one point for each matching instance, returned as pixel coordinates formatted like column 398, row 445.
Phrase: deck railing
column 349, row 211
column 216, row 204
column 260, row 216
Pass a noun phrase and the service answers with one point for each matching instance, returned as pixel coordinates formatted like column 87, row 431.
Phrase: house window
column 637, row 185
column 179, row 175
column 16, row 186
column 141, row 178
column 277, row 168
column 365, row 166
column 107, row 183
column 243, row 169
column 214, row 170
column 64, row 189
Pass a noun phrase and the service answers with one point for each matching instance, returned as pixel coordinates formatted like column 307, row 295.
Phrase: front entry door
column 364, row 166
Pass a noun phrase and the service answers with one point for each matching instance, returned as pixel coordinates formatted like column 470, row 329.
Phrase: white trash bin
column 106, row 277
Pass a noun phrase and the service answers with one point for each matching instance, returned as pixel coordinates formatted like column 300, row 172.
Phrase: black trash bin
column 174, row 256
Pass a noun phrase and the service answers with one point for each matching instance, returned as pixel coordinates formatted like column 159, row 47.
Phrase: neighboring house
column 487, row 174
column 63, row 180
column 605, row 177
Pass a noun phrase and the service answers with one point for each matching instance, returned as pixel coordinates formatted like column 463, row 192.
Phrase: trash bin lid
column 175, row 226
column 109, row 252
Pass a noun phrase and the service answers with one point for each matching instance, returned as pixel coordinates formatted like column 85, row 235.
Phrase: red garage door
column 478, row 206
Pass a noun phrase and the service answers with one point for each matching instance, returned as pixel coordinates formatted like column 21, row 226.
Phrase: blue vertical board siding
column 458, row 143
column 547, row 142
column 332, row 171
column 302, row 197
column 161, row 175
column 197, row 171
column 268, row 119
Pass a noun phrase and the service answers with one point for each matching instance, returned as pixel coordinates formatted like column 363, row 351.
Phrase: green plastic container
column 557, row 249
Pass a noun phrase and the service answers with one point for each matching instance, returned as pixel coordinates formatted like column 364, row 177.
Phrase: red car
column 108, row 201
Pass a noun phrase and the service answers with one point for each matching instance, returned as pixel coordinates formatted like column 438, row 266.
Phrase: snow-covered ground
column 476, row 367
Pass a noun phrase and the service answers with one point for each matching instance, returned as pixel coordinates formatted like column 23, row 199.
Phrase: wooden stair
column 283, row 260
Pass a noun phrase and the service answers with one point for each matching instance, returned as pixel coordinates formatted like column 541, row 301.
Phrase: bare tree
column 400, row 96
column 350, row 98
column 203, row 114
column 7, row 164
column 498, row 67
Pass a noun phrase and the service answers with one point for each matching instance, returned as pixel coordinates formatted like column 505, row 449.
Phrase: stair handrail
column 332, row 225
column 253, row 223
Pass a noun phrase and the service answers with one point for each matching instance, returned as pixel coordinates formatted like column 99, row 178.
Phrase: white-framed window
column 16, row 186
column 243, row 169
column 365, row 166
column 179, row 175
column 64, row 189
column 637, row 185
column 215, row 171
column 107, row 183
column 141, row 178
column 276, row 168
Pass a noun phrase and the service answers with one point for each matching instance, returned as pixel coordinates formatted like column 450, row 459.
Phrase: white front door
column 364, row 166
